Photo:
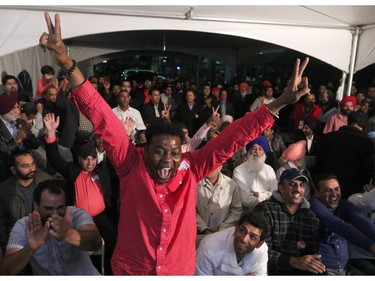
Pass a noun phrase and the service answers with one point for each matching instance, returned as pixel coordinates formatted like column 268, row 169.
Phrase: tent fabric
column 324, row 32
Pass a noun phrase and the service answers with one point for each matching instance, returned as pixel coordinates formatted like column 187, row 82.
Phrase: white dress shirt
column 216, row 256
column 133, row 113
column 250, row 181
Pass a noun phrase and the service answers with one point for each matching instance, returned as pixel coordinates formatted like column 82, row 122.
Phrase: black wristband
column 71, row 69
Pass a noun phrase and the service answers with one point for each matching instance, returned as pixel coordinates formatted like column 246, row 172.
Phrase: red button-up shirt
column 157, row 226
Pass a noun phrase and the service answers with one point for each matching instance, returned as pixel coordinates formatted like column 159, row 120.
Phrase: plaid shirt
column 291, row 235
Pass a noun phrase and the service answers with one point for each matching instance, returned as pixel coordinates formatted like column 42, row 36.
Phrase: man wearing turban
column 256, row 180
column 295, row 157
column 340, row 119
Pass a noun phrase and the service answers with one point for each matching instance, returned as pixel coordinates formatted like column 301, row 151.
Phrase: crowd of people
column 182, row 180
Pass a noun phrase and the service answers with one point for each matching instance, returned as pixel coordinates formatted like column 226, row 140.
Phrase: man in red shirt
column 157, row 225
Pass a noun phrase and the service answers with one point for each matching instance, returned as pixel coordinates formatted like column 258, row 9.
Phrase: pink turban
column 295, row 151
column 347, row 99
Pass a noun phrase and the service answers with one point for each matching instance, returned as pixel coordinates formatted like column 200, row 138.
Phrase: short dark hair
column 191, row 90
column 258, row 220
column 49, row 185
column 324, row 177
column 5, row 79
column 29, row 108
column 47, row 69
column 163, row 129
column 152, row 90
column 19, row 152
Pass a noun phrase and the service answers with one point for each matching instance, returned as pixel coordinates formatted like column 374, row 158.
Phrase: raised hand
column 165, row 114
column 50, row 122
column 36, row 233
column 214, row 119
column 296, row 88
column 129, row 124
column 297, row 85
column 54, row 43
column 60, row 226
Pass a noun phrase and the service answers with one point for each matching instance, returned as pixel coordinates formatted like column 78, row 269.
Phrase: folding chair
column 101, row 253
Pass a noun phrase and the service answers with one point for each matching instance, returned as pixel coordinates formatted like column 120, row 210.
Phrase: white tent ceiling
column 324, row 32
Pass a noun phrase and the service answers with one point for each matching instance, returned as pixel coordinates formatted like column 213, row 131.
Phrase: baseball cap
column 87, row 149
column 292, row 174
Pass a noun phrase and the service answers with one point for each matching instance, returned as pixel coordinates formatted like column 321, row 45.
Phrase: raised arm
column 54, row 43
column 296, row 88
column 117, row 144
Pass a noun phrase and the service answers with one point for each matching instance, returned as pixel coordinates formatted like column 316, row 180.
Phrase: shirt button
column 166, row 210
column 161, row 249
column 161, row 195
column 159, row 267
column 180, row 182
column 164, row 230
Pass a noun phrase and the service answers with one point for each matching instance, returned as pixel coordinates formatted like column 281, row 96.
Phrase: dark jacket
column 148, row 113
column 31, row 142
column 71, row 171
column 347, row 153
column 12, row 205
column 192, row 118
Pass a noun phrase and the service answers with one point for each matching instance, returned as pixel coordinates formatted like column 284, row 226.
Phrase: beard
column 256, row 162
column 10, row 118
column 25, row 176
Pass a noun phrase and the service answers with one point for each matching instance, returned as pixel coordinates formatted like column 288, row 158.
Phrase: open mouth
column 296, row 194
column 164, row 173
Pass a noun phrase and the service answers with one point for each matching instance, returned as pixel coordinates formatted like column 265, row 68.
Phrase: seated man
column 293, row 245
column 53, row 238
column 256, row 180
column 237, row 250
column 340, row 223
column 218, row 202
column 16, row 192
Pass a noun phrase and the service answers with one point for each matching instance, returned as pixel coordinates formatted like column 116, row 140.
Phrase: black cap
column 87, row 149
column 292, row 174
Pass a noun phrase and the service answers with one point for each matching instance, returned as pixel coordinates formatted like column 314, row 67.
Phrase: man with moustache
column 10, row 86
column 256, row 179
column 54, row 239
column 341, row 222
column 16, row 193
column 239, row 250
column 293, row 245
column 347, row 105
column 11, row 134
